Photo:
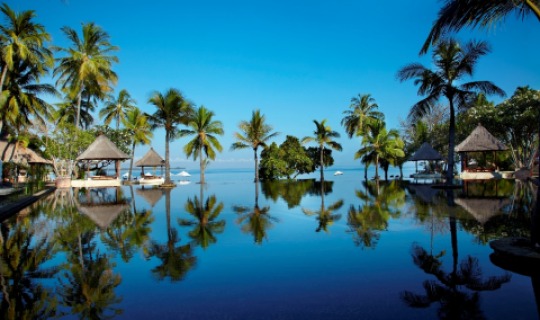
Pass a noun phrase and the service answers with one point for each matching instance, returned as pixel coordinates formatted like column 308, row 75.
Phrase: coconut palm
column 255, row 133
column 380, row 143
column 66, row 112
column 205, row 129
column 325, row 215
column 24, row 105
column 87, row 63
column 452, row 63
column 116, row 108
column 323, row 136
column 22, row 40
column 172, row 110
column 141, row 131
column 363, row 110
column 456, row 14
column 24, row 59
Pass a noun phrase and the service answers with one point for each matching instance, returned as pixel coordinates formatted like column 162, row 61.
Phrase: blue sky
column 296, row 61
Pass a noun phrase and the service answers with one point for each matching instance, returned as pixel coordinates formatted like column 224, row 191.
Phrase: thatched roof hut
column 426, row 152
column 21, row 155
column 480, row 140
column 104, row 149
column 150, row 159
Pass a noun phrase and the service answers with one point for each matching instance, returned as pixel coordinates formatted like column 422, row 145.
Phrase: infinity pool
column 231, row 249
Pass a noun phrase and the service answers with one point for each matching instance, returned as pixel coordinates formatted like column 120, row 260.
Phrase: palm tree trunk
column 78, row 114
column 131, row 161
column 377, row 167
column 201, row 165
column 451, row 143
column 256, row 165
column 322, row 163
column 4, row 73
column 365, row 171
column 167, row 164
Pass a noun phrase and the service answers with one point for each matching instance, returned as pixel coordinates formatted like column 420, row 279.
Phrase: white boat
column 338, row 173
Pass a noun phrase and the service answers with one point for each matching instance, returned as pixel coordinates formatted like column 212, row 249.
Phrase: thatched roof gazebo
column 480, row 140
column 425, row 152
column 150, row 159
column 152, row 196
column 483, row 209
column 21, row 155
column 104, row 149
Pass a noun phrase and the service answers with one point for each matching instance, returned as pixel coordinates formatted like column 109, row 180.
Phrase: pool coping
column 10, row 209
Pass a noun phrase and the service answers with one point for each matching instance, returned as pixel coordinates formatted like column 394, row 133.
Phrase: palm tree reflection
column 205, row 225
column 380, row 203
column 325, row 215
column 457, row 291
column 255, row 220
column 176, row 261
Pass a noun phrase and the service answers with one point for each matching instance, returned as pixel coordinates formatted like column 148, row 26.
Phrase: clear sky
column 296, row 61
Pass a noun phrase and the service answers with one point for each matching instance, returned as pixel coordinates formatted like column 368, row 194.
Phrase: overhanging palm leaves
column 452, row 63
column 456, row 14
column 255, row 133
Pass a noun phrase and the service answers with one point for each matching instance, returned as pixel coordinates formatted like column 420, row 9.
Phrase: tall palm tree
column 363, row 111
column 141, row 130
column 205, row 129
column 456, row 14
column 66, row 112
column 172, row 110
column 116, row 108
column 452, row 63
column 22, row 40
column 323, row 136
column 380, row 143
column 87, row 63
column 255, row 134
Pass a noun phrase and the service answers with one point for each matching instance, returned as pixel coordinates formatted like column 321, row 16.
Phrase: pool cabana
column 482, row 142
column 150, row 159
column 425, row 153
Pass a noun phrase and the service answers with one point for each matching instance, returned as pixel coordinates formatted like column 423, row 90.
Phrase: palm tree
column 456, row 14
column 87, row 63
column 363, row 111
column 453, row 62
column 325, row 215
column 255, row 134
column 141, row 130
column 116, row 108
column 204, row 129
column 380, row 143
column 24, row 59
column 22, row 40
column 66, row 112
column 172, row 110
column 323, row 136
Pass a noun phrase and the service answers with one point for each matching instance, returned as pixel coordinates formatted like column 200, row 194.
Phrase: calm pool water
column 345, row 249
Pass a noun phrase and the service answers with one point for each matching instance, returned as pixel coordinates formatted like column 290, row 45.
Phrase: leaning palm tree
column 205, row 130
column 452, row 63
column 323, row 136
column 456, row 14
column 88, row 62
column 139, row 127
column 116, row 108
column 172, row 110
column 363, row 111
column 255, row 134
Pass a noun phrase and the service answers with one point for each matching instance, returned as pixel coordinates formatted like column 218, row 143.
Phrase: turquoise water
column 344, row 249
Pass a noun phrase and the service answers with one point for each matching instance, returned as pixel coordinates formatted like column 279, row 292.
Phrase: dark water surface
column 345, row 249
